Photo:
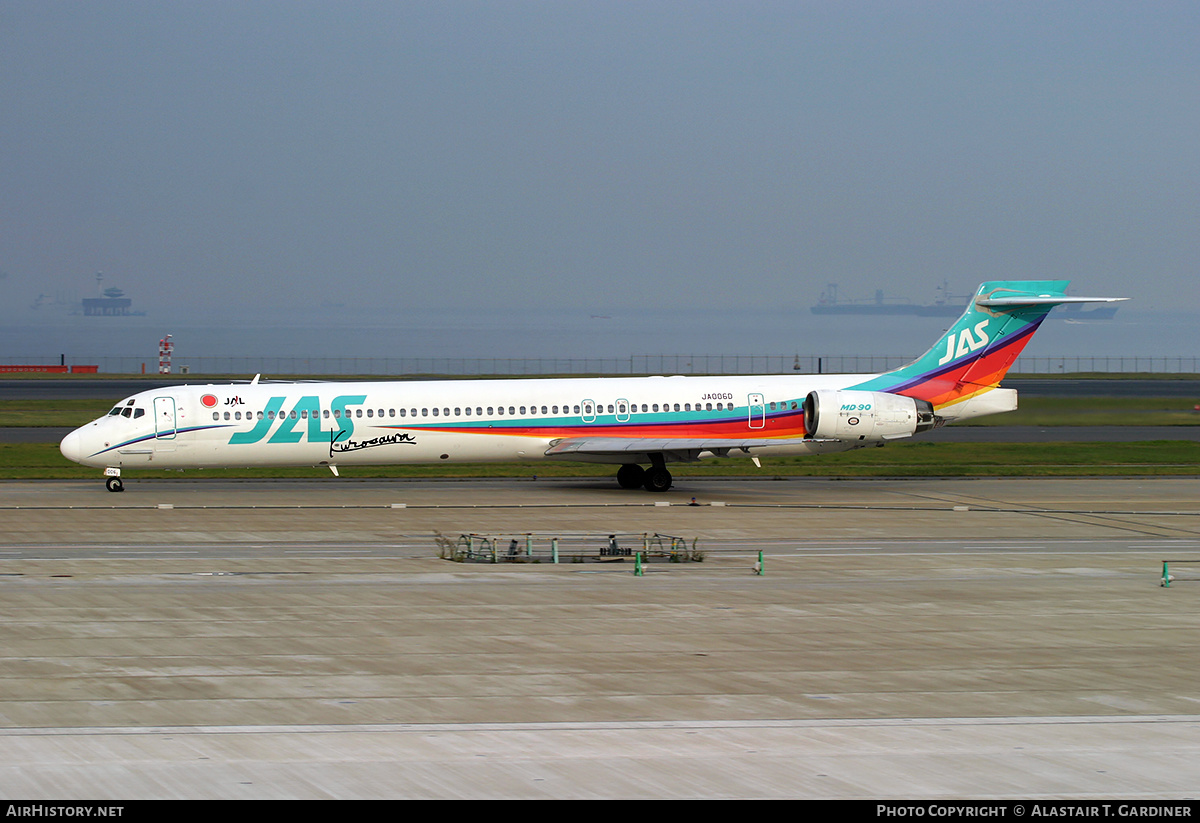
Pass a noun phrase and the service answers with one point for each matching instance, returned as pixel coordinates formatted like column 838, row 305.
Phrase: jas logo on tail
column 963, row 343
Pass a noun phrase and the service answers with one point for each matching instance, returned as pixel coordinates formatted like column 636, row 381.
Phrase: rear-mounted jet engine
column 865, row 415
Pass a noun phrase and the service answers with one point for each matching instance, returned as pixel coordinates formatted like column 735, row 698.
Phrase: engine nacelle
column 865, row 415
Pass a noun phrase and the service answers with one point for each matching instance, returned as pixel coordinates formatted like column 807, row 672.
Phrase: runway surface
column 301, row 639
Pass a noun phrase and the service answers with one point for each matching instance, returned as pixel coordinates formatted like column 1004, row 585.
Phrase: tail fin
column 977, row 351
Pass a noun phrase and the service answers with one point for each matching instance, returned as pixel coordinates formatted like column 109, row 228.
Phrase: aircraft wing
column 673, row 447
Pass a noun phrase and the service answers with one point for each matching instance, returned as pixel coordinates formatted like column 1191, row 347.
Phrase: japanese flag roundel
column 208, row 400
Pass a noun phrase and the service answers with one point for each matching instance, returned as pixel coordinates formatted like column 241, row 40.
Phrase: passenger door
column 164, row 418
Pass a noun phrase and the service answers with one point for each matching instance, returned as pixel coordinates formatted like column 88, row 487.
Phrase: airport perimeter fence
column 690, row 364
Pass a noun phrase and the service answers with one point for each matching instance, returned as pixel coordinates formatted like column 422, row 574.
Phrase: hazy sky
column 607, row 156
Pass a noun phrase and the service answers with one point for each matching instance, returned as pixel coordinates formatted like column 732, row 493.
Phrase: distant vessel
column 944, row 304
column 112, row 302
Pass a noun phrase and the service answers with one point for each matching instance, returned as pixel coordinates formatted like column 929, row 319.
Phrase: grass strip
column 42, row 461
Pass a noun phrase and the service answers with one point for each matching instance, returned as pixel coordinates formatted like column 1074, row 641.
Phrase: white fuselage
column 349, row 423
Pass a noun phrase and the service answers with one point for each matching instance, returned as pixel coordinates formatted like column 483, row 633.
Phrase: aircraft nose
column 70, row 447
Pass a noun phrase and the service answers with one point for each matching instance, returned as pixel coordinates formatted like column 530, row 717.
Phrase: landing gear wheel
column 114, row 484
column 631, row 476
column 657, row 479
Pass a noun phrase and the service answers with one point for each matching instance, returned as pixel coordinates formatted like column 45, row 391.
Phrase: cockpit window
column 126, row 409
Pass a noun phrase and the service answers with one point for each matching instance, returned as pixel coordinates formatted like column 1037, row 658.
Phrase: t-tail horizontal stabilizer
column 974, row 354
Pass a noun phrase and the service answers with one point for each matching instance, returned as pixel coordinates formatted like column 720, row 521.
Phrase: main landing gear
column 654, row 479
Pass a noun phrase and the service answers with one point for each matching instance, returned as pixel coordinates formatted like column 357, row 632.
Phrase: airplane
column 640, row 424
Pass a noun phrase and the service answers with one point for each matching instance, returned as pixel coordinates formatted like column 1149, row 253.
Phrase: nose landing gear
column 113, row 481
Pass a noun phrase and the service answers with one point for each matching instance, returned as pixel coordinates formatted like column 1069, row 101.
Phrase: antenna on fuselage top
column 254, row 382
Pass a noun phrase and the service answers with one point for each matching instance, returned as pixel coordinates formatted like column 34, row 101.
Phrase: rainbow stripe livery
column 639, row 423
column 978, row 350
